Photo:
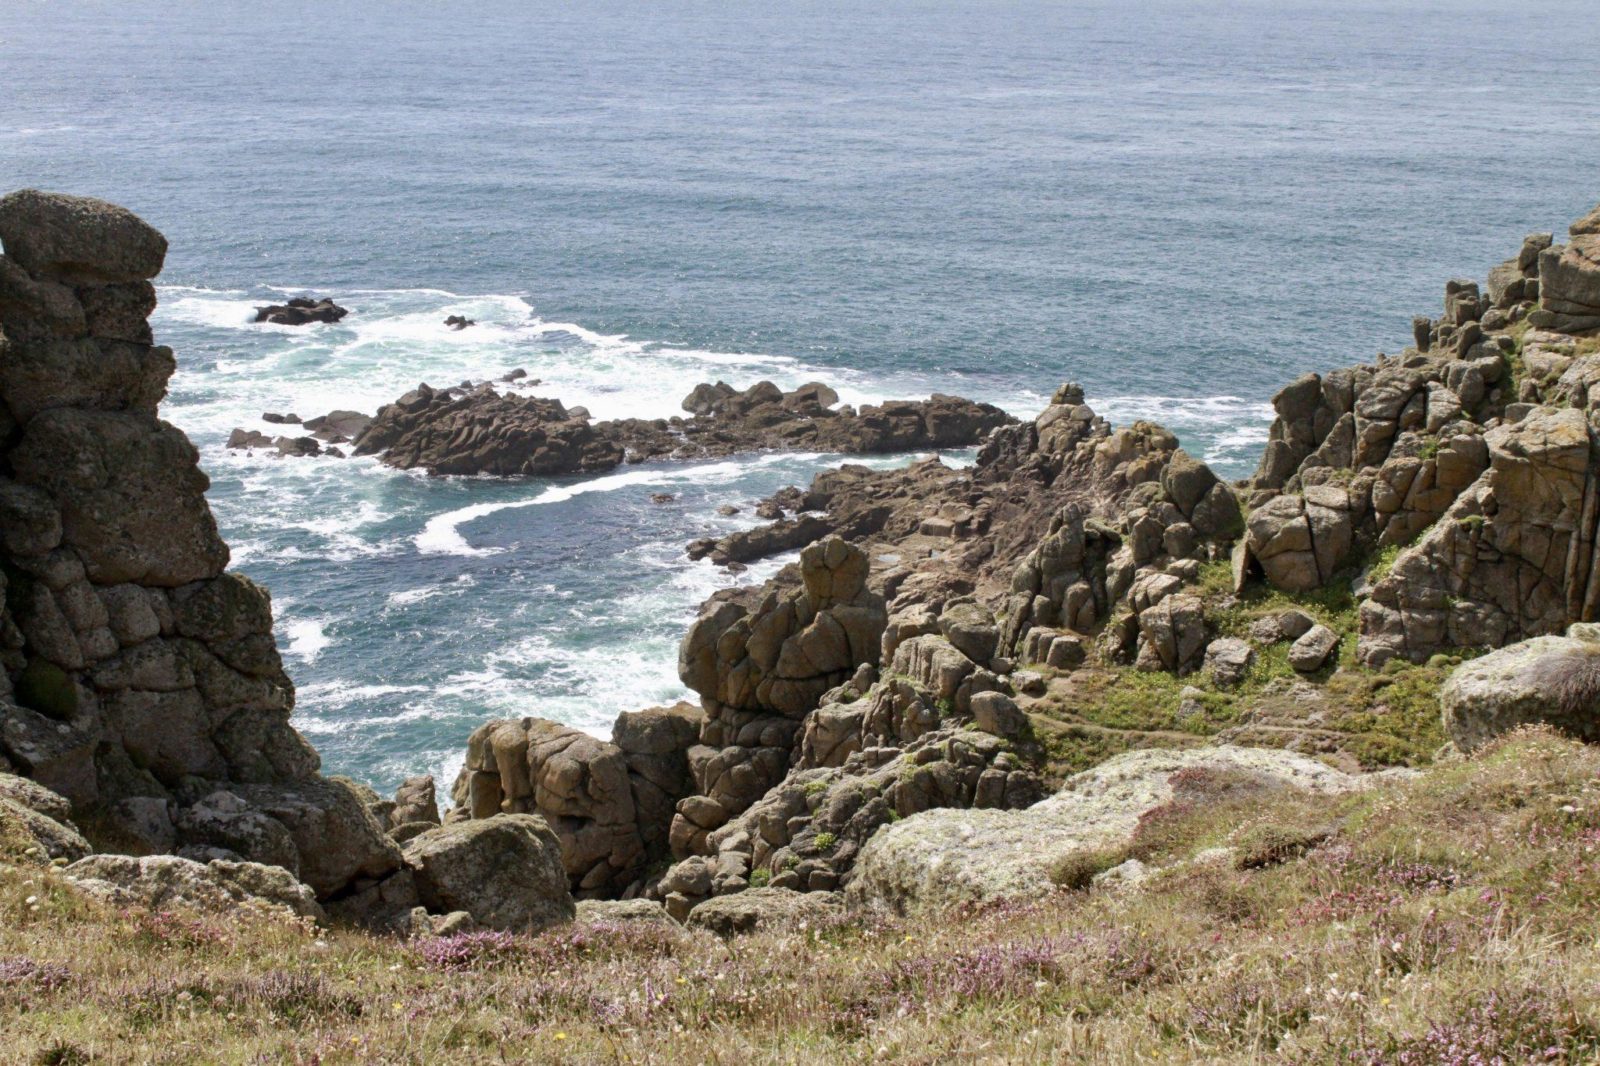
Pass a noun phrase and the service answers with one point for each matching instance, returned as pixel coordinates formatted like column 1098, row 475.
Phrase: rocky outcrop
column 480, row 431
column 476, row 430
column 761, row 659
column 141, row 681
column 1513, row 557
column 805, row 833
column 1568, row 281
column 1551, row 680
column 162, row 882
column 301, row 311
column 942, row 858
column 36, row 824
column 609, row 804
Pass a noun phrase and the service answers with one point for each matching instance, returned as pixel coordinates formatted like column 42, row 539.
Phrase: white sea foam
column 306, row 637
column 442, row 533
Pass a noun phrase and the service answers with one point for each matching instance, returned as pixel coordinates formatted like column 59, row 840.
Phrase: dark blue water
column 1179, row 205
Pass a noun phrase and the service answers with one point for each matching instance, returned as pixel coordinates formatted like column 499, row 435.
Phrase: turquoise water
column 1179, row 205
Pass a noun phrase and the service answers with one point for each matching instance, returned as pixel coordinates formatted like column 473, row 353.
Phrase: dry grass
column 1452, row 918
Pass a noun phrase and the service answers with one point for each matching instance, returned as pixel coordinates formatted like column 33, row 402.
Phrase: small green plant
column 760, row 878
column 1382, row 563
column 1471, row 522
column 824, row 841
column 816, row 788
column 1430, row 448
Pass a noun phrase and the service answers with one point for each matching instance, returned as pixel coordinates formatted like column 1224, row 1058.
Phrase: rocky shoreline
column 877, row 725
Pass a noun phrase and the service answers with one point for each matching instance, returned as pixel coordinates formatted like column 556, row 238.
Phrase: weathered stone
column 1229, row 659
column 163, row 881
column 78, row 240
column 763, row 909
column 942, row 858
column 1311, row 650
column 1552, row 680
column 505, row 871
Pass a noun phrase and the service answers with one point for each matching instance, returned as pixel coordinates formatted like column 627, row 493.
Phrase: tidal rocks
column 1550, row 680
column 337, row 427
column 301, row 311
column 459, row 322
column 942, row 858
column 479, row 431
column 504, row 871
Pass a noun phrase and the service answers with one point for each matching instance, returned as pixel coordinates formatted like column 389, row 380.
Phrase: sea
column 1179, row 205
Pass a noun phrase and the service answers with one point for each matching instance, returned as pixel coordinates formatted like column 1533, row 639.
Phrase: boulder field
column 867, row 731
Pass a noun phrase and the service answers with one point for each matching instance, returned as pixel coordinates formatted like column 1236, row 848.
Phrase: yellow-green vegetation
column 1450, row 917
column 1358, row 717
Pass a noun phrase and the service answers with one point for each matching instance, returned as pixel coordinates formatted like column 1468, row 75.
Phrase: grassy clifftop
column 1448, row 916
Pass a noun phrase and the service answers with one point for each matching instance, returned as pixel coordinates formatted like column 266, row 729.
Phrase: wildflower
column 561, row 1036
column 31, row 900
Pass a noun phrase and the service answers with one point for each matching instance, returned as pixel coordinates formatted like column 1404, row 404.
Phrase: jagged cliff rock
column 610, row 804
column 141, row 680
column 481, row 431
column 1474, row 452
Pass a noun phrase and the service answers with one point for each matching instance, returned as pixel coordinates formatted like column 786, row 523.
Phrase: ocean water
column 1180, row 206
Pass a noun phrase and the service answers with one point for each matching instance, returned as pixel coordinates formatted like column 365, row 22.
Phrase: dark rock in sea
column 281, row 419
column 337, row 427
column 248, row 438
column 475, row 430
column 297, row 446
column 727, row 510
column 479, row 431
column 459, row 322
column 301, row 311
column 662, row 497
column 514, row 375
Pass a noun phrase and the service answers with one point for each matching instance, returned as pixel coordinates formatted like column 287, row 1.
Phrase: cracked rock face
column 609, row 804
column 1513, row 557
column 140, row 679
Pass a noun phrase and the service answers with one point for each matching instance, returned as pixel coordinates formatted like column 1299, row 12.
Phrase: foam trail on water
column 442, row 533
